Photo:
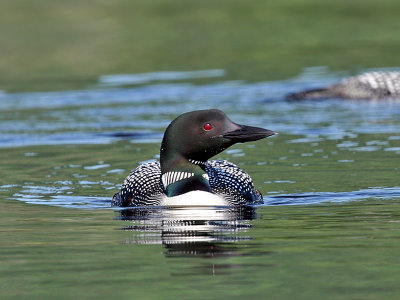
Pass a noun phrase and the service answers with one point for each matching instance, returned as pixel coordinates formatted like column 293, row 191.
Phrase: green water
column 343, row 251
column 346, row 250
column 276, row 165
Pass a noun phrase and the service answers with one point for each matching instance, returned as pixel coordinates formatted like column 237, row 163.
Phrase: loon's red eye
column 207, row 126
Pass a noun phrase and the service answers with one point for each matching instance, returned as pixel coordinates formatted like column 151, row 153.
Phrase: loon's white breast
column 194, row 198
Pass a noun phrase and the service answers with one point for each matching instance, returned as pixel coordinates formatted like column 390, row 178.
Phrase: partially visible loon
column 184, row 176
column 372, row 85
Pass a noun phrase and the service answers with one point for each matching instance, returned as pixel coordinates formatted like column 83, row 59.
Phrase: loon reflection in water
column 206, row 232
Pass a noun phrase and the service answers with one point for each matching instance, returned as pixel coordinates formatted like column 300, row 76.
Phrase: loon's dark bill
column 248, row 133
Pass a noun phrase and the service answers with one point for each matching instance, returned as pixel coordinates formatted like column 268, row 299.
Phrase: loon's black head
column 199, row 135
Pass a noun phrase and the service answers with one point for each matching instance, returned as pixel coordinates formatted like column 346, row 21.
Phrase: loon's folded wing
column 141, row 188
column 230, row 181
column 372, row 85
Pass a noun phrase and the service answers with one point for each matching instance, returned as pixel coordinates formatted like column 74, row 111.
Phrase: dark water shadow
column 197, row 231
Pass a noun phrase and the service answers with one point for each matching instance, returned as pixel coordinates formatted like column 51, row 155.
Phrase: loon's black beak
column 245, row 133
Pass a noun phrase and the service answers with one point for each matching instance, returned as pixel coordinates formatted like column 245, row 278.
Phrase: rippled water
column 141, row 112
column 330, row 181
column 138, row 107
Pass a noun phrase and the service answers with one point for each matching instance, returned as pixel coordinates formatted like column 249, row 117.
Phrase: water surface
column 330, row 179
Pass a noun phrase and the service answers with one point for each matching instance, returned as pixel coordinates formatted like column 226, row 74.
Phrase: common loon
column 184, row 176
column 372, row 85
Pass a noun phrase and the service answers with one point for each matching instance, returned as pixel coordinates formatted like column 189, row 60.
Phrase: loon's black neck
column 180, row 175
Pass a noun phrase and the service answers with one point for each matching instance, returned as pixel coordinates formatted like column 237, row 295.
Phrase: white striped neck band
column 196, row 162
column 172, row 177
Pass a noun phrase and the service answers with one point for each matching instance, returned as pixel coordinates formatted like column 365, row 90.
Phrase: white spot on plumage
column 205, row 176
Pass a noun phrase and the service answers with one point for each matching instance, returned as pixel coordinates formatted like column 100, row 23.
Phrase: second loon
column 383, row 85
column 184, row 176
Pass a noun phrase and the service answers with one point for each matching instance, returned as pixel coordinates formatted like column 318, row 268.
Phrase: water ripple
column 40, row 195
column 104, row 115
column 321, row 197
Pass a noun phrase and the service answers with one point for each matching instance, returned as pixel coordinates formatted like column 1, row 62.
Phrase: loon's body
column 184, row 176
column 231, row 184
column 368, row 86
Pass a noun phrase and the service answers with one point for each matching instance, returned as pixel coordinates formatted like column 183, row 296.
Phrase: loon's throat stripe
column 197, row 162
column 171, row 177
